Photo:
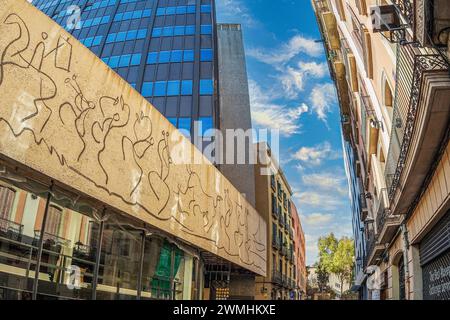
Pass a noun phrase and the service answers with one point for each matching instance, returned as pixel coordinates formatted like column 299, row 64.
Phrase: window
column 188, row 55
column 186, row 87
column 125, row 60
column 206, row 55
column 206, row 29
column 135, row 59
column 164, row 56
column 173, row 88
column 160, row 89
column 152, row 57
column 147, row 89
column 207, row 124
column 206, row 8
column 53, row 220
column 6, row 202
column 176, row 56
column 206, row 87
column 157, row 32
column 114, row 61
column 173, row 121
column 184, row 124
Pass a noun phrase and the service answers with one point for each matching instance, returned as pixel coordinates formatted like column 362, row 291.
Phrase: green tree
column 322, row 278
column 337, row 257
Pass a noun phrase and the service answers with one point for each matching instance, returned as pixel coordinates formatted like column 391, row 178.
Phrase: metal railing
column 276, row 243
column 406, row 7
column 10, row 227
column 276, row 277
column 381, row 206
column 370, row 245
column 412, row 64
column 48, row 236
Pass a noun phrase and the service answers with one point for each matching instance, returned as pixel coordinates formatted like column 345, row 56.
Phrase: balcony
column 276, row 277
column 420, row 122
column 363, row 206
column 51, row 239
column 284, row 280
column 387, row 224
column 276, row 243
column 284, row 250
column 273, row 183
column 10, row 229
column 374, row 250
column 275, row 212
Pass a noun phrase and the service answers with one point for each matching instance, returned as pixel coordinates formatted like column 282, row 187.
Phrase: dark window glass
column 163, row 72
column 206, row 106
column 185, row 106
column 171, row 107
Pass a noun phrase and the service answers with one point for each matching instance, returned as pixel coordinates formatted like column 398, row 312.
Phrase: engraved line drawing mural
column 110, row 142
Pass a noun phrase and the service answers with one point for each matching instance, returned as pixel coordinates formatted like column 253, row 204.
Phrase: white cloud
column 268, row 114
column 235, row 11
column 293, row 78
column 323, row 200
column 322, row 97
column 313, row 156
column 296, row 45
column 315, row 69
column 316, row 218
column 326, row 181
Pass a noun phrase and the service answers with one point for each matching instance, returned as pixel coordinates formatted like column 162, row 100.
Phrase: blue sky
column 291, row 90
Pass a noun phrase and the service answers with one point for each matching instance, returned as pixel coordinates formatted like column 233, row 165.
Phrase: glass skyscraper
column 175, row 54
column 164, row 48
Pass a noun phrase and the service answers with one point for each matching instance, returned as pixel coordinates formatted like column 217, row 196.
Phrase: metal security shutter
column 437, row 241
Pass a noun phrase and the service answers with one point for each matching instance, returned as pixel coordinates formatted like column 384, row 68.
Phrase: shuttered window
column 6, row 202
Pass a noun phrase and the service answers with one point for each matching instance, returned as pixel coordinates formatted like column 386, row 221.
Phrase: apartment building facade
column 273, row 202
column 299, row 254
column 390, row 63
column 95, row 200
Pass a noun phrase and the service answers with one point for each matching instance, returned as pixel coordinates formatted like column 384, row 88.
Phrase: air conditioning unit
column 384, row 18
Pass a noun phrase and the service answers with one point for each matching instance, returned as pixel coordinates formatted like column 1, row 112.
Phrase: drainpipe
column 404, row 231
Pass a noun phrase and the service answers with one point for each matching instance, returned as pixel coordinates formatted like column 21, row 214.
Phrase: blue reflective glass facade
column 355, row 193
column 164, row 48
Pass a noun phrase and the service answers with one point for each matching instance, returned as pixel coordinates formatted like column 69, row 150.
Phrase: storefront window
column 70, row 257
column 69, row 249
column 119, row 262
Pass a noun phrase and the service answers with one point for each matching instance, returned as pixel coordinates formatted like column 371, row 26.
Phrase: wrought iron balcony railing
column 406, row 7
column 276, row 277
column 10, row 228
column 51, row 237
column 412, row 64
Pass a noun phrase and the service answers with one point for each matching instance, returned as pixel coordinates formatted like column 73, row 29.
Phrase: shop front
column 435, row 261
column 85, row 253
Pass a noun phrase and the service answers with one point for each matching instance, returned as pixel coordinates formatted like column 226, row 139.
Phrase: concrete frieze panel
column 64, row 113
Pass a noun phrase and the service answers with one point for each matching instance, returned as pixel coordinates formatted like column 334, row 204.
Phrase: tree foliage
column 337, row 257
